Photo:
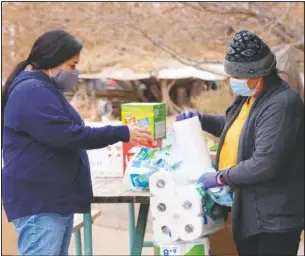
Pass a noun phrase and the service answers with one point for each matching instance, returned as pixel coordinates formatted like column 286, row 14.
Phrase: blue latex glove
column 187, row 115
column 209, row 180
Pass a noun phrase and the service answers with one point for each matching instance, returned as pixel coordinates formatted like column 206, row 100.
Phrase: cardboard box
column 151, row 116
column 221, row 242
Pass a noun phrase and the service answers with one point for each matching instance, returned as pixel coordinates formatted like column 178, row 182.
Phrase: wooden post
column 172, row 108
column 181, row 96
column 164, row 95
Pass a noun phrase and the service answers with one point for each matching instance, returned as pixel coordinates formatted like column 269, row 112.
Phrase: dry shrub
column 214, row 102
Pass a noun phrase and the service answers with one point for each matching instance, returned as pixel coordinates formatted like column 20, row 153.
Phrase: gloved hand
column 187, row 115
column 210, row 180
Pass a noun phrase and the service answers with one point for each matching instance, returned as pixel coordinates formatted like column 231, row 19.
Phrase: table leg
column 148, row 244
column 87, row 234
column 78, row 242
column 140, row 230
column 131, row 225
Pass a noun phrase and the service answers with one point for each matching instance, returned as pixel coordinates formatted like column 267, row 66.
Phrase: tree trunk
column 172, row 108
column 181, row 96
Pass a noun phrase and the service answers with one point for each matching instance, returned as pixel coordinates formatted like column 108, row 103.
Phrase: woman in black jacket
column 261, row 151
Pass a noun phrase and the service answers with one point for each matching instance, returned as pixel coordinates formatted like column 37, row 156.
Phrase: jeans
column 267, row 244
column 44, row 234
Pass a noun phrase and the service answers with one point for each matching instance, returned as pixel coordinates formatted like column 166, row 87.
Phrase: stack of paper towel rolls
column 176, row 205
column 177, row 211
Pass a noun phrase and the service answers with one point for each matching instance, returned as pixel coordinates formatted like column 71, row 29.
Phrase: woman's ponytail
column 20, row 67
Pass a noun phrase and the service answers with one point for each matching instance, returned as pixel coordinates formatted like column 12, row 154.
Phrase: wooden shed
column 174, row 86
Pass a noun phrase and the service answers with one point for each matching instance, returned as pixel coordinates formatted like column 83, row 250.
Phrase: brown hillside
column 148, row 35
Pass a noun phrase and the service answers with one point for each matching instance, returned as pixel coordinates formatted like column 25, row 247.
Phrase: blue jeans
column 44, row 234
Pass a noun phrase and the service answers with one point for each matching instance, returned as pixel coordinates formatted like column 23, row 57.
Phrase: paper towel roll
column 161, row 182
column 190, row 228
column 165, row 230
column 192, row 142
column 162, row 206
column 188, row 201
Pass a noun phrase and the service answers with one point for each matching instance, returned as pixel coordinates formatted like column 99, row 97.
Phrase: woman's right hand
column 187, row 115
column 137, row 134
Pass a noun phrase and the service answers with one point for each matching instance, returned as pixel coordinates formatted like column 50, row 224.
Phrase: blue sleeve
column 279, row 130
column 43, row 118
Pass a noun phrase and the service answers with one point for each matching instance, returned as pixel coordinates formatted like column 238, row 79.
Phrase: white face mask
column 240, row 87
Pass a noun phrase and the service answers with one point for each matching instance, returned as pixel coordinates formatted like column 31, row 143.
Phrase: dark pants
column 275, row 244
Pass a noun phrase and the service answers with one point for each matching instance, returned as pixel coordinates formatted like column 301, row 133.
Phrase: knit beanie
column 248, row 57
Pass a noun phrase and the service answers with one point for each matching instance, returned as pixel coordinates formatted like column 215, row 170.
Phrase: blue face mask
column 65, row 80
column 240, row 87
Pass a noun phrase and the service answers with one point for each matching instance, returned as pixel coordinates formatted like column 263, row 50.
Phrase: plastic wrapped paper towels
column 188, row 201
column 165, row 230
column 162, row 206
column 188, row 213
column 161, row 183
column 184, row 228
column 190, row 140
column 197, row 247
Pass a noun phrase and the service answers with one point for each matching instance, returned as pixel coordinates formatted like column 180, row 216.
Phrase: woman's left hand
column 211, row 180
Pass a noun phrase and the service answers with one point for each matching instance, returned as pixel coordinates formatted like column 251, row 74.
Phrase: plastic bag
column 223, row 196
column 144, row 163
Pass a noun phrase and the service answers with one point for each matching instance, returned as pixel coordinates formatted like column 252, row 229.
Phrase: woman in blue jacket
column 261, row 151
column 46, row 173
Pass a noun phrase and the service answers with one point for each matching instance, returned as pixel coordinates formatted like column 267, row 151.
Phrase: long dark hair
column 49, row 50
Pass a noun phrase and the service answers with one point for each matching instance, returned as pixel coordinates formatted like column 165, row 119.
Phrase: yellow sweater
column 229, row 149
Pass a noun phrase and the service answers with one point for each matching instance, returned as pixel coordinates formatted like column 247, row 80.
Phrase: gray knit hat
column 248, row 57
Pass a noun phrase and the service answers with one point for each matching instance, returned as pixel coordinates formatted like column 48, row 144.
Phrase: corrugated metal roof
column 215, row 68
column 164, row 73
column 188, row 72
column 117, row 74
column 125, row 74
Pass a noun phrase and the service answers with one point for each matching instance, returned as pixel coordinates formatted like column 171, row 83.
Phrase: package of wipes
column 144, row 163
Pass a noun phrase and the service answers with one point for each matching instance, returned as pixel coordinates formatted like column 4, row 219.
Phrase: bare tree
column 215, row 23
column 190, row 32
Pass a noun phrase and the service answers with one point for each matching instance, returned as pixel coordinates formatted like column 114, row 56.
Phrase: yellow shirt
column 229, row 149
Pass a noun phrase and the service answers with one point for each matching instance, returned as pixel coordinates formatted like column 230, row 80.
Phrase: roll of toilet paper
column 165, row 230
column 162, row 206
column 188, row 201
column 190, row 227
column 161, row 182
column 191, row 140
